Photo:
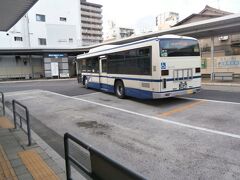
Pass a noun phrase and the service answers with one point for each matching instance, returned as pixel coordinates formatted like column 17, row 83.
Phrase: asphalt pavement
column 70, row 87
column 191, row 137
column 175, row 138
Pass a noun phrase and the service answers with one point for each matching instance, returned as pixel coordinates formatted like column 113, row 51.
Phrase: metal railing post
column 14, row 102
column 98, row 161
column 14, row 114
column 28, row 128
column 66, row 153
column 3, row 103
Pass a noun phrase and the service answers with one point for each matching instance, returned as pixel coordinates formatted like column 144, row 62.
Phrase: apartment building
column 91, row 23
column 166, row 20
column 115, row 32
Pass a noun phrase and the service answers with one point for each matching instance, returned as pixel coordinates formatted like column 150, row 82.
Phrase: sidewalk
column 218, row 85
column 35, row 80
column 209, row 82
column 22, row 162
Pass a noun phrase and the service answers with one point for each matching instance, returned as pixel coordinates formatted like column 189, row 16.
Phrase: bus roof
column 98, row 50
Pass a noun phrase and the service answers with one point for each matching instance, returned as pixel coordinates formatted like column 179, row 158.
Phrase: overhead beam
column 11, row 11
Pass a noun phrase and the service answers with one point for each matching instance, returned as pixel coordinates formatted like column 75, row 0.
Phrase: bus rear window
column 179, row 47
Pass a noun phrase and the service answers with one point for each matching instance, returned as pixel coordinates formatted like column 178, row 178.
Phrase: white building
column 166, row 20
column 48, row 33
column 49, row 24
column 116, row 32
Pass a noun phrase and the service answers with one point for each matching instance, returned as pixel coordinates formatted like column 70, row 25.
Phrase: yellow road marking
column 182, row 108
column 6, row 170
column 5, row 123
column 36, row 166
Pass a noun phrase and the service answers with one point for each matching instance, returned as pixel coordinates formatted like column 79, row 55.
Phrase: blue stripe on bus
column 139, row 79
column 137, row 93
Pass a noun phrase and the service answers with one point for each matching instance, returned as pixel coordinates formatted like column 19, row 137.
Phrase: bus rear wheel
column 119, row 89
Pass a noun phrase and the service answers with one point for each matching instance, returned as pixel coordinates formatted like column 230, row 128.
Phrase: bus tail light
column 164, row 83
column 165, row 72
column 198, row 70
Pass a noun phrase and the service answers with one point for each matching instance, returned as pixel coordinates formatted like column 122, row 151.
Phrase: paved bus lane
column 134, row 133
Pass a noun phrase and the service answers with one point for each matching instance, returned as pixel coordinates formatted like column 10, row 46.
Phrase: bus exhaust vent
column 146, row 85
column 182, row 74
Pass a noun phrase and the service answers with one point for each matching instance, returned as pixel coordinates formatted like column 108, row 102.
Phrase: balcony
column 87, row 38
column 91, row 20
column 92, row 26
column 89, row 8
column 92, row 32
column 91, row 14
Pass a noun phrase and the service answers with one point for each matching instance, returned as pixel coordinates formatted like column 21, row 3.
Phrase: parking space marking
column 209, row 100
column 222, row 133
column 181, row 108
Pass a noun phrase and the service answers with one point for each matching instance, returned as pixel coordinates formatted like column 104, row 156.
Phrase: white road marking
column 155, row 118
column 209, row 100
column 87, row 94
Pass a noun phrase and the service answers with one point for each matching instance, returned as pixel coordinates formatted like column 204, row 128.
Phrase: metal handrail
column 26, row 118
column 3, row 102
column 94, row 173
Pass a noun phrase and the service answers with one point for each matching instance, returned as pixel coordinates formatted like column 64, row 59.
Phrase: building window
column 40, row 17
column 70, row 40
column 63, row 19
column 42, row 41
column 18, row 38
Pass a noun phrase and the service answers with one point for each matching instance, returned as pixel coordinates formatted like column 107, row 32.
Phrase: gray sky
column 133, row 13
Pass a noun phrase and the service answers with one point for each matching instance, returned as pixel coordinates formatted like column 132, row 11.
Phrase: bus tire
column 85, row 82
column 119, row 89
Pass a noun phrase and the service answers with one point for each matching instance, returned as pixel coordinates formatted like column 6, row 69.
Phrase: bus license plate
column 182, row 85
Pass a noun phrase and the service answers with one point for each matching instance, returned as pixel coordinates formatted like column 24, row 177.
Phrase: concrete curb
column 39, row 80
column 221, row 84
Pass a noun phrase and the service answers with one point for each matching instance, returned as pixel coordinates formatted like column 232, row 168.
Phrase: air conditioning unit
column 223, row 38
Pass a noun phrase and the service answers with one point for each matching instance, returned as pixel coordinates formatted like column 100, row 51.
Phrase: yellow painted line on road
column 182, row 108
column 6, row 170
column 5, row 123
column 36, row 165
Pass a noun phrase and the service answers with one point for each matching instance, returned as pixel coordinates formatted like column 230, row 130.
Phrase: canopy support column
column 212, row 57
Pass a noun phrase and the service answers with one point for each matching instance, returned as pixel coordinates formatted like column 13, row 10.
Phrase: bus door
column 103, row 74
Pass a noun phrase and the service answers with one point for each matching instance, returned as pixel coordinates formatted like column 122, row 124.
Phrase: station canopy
column 11, row 11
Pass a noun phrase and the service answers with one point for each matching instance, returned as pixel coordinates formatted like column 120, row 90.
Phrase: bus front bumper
column 175, row 93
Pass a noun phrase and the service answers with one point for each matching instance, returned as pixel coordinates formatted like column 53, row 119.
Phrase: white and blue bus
column 160, row 67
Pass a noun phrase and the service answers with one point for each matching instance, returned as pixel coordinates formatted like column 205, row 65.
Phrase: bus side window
column 82, row 65
column 95, row 65
column 104, row 65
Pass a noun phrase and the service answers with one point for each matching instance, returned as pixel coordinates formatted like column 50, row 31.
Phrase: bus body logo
column 163, row 65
